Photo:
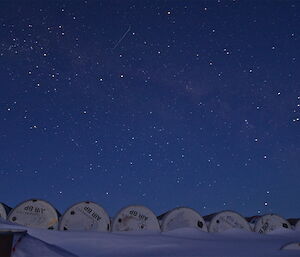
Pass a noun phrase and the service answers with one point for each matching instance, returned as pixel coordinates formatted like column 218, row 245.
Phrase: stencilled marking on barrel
column 139, row 215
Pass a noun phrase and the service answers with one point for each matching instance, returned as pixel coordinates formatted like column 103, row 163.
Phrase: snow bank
column 184, row 242
column 31, row 246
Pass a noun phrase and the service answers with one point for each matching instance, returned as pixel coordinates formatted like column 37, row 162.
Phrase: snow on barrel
column 35, row 213
column 225, row 220
column 135, row 217
column 85, row 216
column 4, row 210
column 270, row 222
column 181, row 217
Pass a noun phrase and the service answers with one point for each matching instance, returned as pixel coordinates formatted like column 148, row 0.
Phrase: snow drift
column 184, row 242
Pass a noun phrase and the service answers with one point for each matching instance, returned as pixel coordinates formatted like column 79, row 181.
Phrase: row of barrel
column 90, row 216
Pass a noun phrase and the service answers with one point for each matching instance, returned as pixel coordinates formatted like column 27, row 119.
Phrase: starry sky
column 159, row 103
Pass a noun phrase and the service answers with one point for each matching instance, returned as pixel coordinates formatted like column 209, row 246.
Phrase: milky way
column 159, row 103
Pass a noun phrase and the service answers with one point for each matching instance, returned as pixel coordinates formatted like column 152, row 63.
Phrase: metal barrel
column 270, row 222
column 85, row 216
column 35, row 213
column 4, row 210
column 181, row 217
column 135, row 218
column 225, row 220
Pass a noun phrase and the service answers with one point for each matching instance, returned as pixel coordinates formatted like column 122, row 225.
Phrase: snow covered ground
column 181, row 242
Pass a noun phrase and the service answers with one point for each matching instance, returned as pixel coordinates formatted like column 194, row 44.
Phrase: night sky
column 159, row 103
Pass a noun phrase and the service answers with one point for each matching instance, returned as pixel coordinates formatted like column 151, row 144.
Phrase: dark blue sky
column 160, row 103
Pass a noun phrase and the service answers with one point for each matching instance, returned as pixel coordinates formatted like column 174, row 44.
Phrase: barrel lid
column 225, row 220
column 182, row 217
column 270, row 222
column 85, row 216
column 135, row 218
column 35, row 213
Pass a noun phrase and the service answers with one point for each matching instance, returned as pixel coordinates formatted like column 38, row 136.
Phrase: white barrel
column 270, row 222
column 225, row 220
column 4, row 210
column 182, row 217
column 85, row 216
column 291, row 246
column 135, row 218
column 35, row 213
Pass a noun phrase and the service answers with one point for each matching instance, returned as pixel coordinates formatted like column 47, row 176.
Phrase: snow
column 184, row 242
column 31, row 246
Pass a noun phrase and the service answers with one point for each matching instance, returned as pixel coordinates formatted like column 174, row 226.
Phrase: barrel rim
column 179, row 207
column 133, row 205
